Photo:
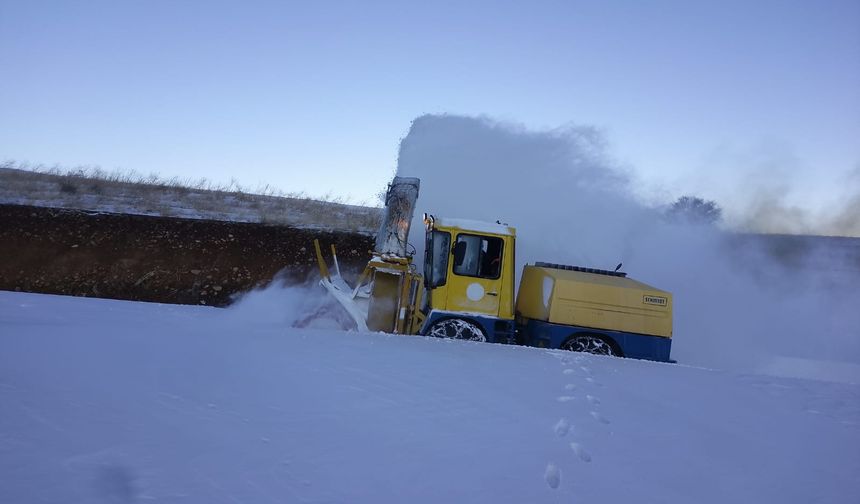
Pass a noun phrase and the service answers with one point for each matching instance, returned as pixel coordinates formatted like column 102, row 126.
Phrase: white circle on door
column 475, row 292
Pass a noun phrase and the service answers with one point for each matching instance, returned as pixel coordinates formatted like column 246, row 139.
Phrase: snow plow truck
column 467, row 290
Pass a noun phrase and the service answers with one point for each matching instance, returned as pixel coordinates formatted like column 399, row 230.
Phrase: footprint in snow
column 562, row 427
column 570, row 386
column 593, row 382
column 568, row 371
column 552, row 475
column 116, row 483
column 586, row 370
column 564, row 398
column 600, row 418
column 592, row 399
column 580, row 452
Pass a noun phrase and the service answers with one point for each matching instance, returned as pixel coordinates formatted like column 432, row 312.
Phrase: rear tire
column 457, row 329
column 590, row 343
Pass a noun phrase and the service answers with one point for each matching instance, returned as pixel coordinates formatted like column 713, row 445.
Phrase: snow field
column 111, row 401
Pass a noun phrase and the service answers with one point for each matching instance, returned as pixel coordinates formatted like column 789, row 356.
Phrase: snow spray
column 735, row 307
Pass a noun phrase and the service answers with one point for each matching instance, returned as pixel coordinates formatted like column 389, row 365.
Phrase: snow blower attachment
column 388, row 292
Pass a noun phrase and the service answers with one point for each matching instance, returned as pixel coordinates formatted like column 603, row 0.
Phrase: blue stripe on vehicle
column 634, row 346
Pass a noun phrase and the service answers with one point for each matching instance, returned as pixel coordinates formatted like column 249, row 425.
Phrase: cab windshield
column 436, row 252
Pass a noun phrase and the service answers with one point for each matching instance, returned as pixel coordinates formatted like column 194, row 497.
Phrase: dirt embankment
column 162, row 259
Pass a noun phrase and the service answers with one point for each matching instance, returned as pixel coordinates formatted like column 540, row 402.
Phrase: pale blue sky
column 314, row 96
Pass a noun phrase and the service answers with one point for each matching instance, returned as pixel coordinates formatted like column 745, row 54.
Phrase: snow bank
column 111, row 401
column 93, row 194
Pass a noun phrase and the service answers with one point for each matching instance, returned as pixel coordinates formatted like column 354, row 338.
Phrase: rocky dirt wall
column 161, row 259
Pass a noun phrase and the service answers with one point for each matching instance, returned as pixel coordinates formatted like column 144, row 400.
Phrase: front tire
column 589, row 343
column 457, row 329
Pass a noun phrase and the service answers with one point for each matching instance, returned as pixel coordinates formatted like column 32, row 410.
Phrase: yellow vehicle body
column 485, row 287
column 599, row 301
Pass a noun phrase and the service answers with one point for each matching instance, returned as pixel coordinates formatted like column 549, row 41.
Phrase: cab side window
column 478, row 256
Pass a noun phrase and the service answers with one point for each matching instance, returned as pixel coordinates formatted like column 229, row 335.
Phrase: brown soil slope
column 162, row 259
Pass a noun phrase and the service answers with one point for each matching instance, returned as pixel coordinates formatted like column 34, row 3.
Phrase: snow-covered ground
column 111, row 401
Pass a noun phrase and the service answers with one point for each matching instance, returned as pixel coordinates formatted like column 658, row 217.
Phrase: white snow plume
column 286, row 304
column 571, row 203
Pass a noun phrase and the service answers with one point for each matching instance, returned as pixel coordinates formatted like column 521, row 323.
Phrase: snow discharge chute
column 399, row 208
column 388, row 291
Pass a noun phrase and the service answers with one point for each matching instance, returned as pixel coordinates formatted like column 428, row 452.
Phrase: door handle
column 492, row 293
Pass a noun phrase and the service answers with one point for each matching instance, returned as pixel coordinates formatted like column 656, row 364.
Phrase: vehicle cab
column 469, row 279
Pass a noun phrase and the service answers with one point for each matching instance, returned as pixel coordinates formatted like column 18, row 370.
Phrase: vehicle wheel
column 589, row 343
column 457, row 329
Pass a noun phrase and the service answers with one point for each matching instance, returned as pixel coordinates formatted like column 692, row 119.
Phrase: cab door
column 475, row 274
